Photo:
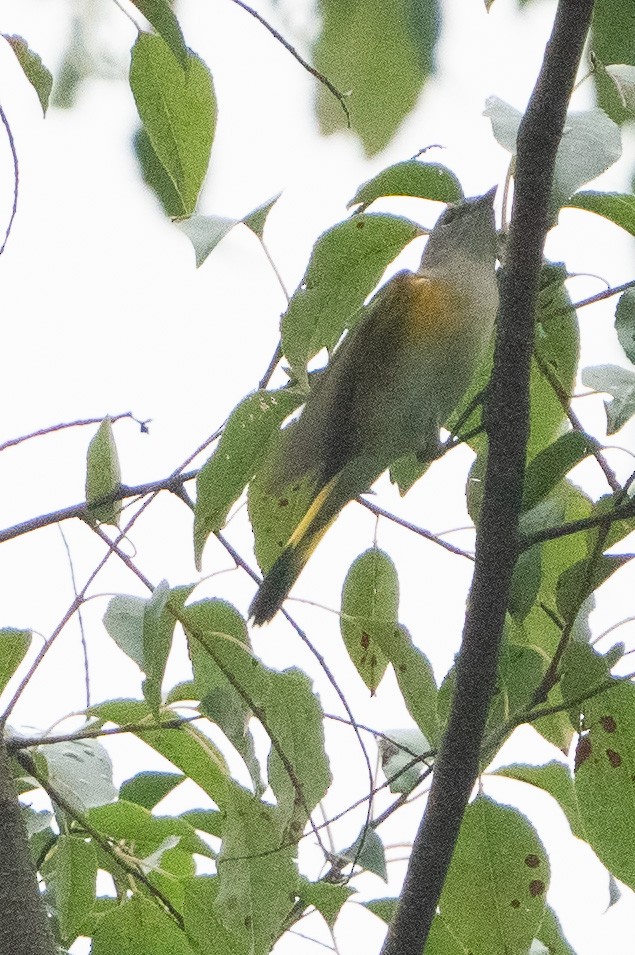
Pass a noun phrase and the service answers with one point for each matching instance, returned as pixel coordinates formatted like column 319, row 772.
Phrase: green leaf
column 123, row 621
column 154, row 175
column 623, row 76
column 186, row 747
column 148, row 788
column 141, row 927
column 283, row 702
column 415, row 678
column 618, row 382
column 203, row 925
column 384, row 909
column 583, row 578
column 382, row 53
column 605, row 779
column 294, row 718
column 346, row 264
column 326, row 897
column 494, row 896
column 397, row 749
column 525, row 582
column 157, row 640
column 550, row 934
column 36, row 73
column 178, row 110
column 256, row 219
column 14, row 644
column 591, row 143
column 220, row 700
column 80, row 771
column 257, row 872
column 410, row 178
column 612, row 43
column 207, row 820
column 551, row 465
column 615, row 206
column 103, row 475
column 205, row 232
column 159, row 621
column 556, row 350
column 584, row 671
column 70, row 872
column 625, row 323
column 196, row 756
column 554, row 778
column 144, row 832
column 370, row 605
column 241, row 450
column 160, row 14
column 368, row 852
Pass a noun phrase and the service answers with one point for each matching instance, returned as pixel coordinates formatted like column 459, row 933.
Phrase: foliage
column 223, row 875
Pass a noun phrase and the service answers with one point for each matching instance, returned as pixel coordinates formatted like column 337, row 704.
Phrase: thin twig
column 79, row 616
column 16, row 178
column 69, row 424
column 402, row 522
column 565, row 401
column 340, row 97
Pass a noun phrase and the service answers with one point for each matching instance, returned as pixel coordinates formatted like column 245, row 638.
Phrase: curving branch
column 507, row 425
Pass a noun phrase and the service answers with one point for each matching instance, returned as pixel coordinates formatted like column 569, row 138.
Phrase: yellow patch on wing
column 299, row 539
column 435, row 310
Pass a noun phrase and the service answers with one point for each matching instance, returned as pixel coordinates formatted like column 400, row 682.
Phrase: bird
column 392, row 383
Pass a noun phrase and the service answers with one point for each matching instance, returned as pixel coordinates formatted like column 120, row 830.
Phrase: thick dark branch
column 24, row 924
column 507, row 422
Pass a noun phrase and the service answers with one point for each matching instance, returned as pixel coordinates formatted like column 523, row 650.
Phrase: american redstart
column 392, row 383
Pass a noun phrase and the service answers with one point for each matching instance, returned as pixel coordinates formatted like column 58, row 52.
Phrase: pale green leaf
column 398, row 751
column 625, row 322
column 202, row 923
column 605, row 779
column 103, row 475
column 257, row 872
column 81, row 771
column 494, row 896
column 618, row 382
column 144, row 832
column 554, row 778
column 370, row 604
column 368, row 853
column 326, row 897
column 142, row 927
column 205, row 232
column 70, row 872
column 591, row 143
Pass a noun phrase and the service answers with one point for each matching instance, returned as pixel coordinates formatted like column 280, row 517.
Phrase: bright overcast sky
column 104, row 312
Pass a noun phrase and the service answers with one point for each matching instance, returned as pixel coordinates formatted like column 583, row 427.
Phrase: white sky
column 104, row 312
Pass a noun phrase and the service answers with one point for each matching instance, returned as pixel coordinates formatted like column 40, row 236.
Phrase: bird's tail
column 281, row 577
